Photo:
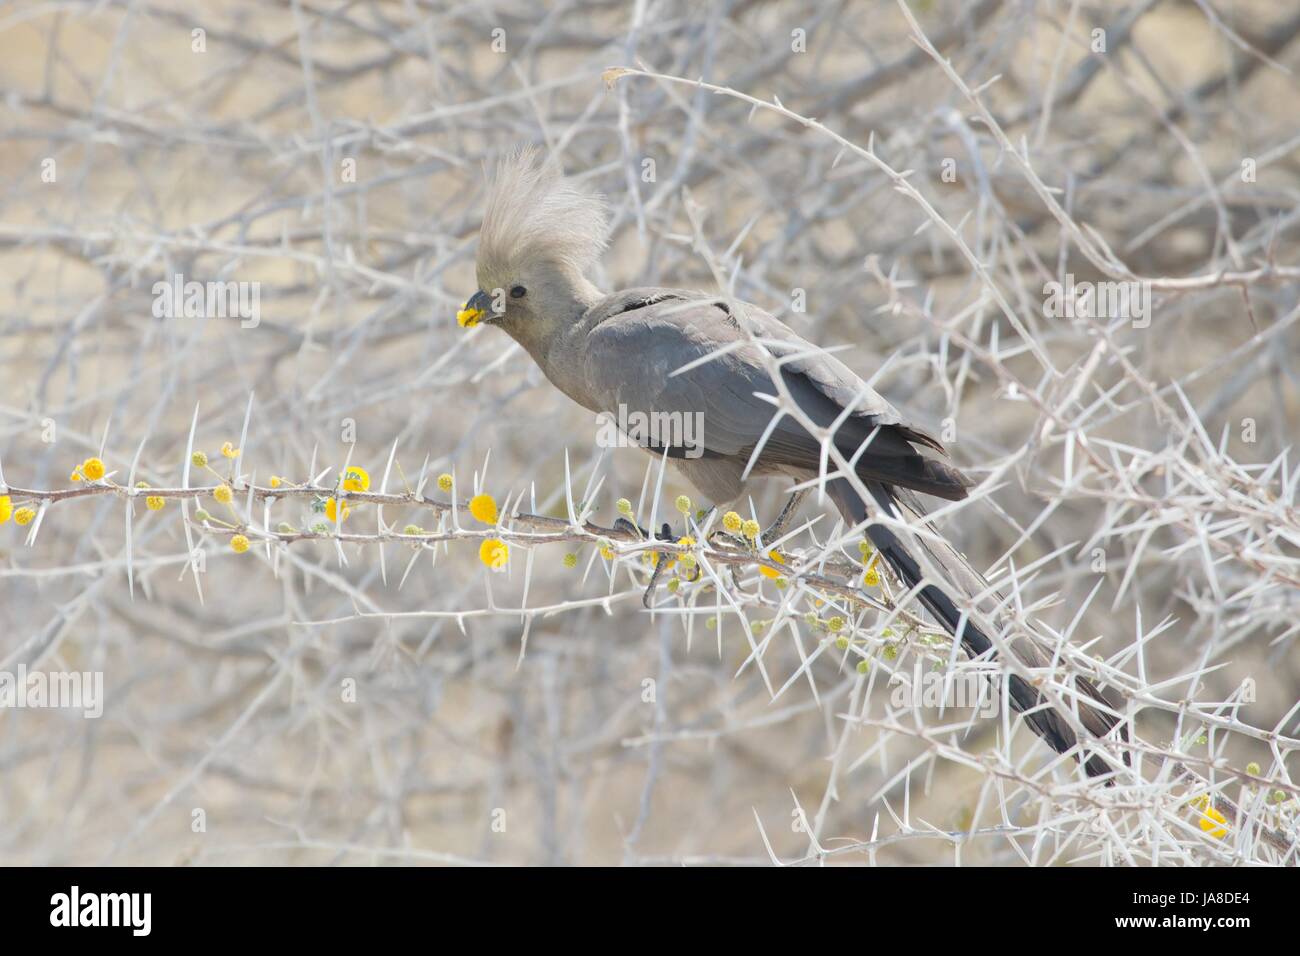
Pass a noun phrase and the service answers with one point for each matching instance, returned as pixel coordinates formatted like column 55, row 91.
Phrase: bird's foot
column 624, row 524
column 661, row 564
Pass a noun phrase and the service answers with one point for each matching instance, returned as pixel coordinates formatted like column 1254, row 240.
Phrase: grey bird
column 653, row 350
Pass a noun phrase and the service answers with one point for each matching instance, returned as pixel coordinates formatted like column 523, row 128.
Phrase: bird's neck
column 550, row 341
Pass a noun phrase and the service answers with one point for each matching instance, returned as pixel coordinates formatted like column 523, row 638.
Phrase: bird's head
column 541, row 232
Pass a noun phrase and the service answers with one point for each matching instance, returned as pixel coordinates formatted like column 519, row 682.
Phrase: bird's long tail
column 1046, row 722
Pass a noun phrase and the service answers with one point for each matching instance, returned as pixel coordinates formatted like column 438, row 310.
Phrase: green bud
column 624, row 507
column 864, row 665
column 570, row 560
column 1252, row 768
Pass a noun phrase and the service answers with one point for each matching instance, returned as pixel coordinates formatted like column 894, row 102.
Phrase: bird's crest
column 533, row 212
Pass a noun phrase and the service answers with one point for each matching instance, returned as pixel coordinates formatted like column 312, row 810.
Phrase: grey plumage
column 645, row 350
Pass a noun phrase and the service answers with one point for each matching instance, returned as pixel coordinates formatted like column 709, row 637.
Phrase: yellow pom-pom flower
column 332, row 510
column 767, row 572
column 484, row 508
column 683, row 504
column 6, row 508
column 872, row 578
column 224, row 494
column 494, row 553
column 155, row 502
column 467, row 318
column 356, row 479
column 229, row 451
column 239, row 544
column 199, row 460
column 750, row 529
column 1212, row 821
column 24, row 515
column 731, row 521
column 444, row 482
column 93, row 469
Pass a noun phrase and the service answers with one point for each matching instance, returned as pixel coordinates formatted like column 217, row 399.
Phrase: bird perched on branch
column 655, row 351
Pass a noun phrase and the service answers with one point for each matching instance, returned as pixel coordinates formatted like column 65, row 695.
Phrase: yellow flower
column 6, row 508
column 494, row 553
column 332, row 509
column 683, row 504
column 239, row 544
column 570, row 560
column 24, row 515
column 1212, row 821
column 76, row 474
column 444, row 482
column 356, row 479
column 223, row 494
column 750, row 529
column 467, row 318
column 872, row 578
column 769, row 572
column 731, row 521
column 229, row 450
column 607, row 553
column 275, row 481
column 93, row 469
column 199, row 460
column 155, row 502
column 484, row 508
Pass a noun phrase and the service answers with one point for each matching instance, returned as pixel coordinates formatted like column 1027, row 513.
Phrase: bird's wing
column 645, row 352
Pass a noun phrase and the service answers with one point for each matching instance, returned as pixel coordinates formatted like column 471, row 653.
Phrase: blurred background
column 333, row 155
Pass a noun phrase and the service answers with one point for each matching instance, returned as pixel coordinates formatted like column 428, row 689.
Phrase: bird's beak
column 475, row 310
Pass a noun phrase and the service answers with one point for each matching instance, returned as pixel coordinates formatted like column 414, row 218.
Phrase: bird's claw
column 624, row 524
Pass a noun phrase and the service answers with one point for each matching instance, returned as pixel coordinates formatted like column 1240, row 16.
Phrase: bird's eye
column 518, row 292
